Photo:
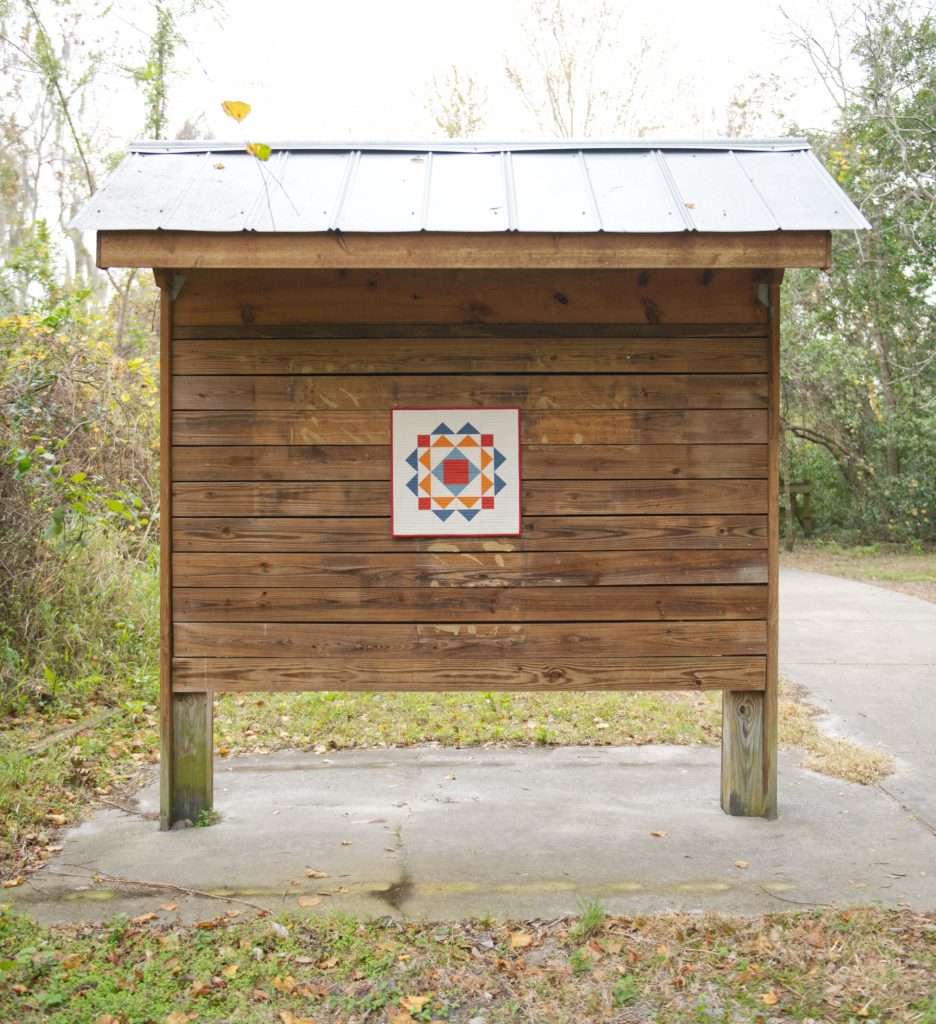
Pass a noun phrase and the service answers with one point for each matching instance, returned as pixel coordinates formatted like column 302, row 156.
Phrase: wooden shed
column 624, row 297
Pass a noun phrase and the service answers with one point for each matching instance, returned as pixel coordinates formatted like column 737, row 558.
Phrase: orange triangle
column 444, row 502
column 486, row 459
column 486, row 484
column 468, row 442
column 426, row 484
column 468, row 502
column 426, row 460
column 443, row 442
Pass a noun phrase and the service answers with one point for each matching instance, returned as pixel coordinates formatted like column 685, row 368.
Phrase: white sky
column 362, row 69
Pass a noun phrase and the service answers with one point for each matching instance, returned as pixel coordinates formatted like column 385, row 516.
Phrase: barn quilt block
column 455, row 472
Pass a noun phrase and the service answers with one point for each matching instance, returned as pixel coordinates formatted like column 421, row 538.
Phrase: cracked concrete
column 441, row 833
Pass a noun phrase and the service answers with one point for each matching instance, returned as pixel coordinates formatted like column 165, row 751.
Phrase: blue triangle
column 443, row 515
column 413, row 485
column 499, row 484
column 468, row 513
column 443, row 428
column 469, row 429
column 499, row 459
column 413, row 459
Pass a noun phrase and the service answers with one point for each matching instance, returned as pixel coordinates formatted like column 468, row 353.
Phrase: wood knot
column 247, row 314
column 643, row 279
column 707, row 277
column 561, row 298
column 651, row 311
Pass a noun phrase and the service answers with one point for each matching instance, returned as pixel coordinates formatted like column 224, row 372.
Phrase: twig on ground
column 102, row 876
column 147, row 815
column 798, row 903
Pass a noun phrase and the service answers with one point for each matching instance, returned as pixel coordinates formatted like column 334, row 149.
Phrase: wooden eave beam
column 333, row 250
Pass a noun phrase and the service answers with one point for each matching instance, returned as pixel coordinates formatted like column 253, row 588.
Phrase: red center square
column 455, row 471
column 423, row 440
column 487, row 440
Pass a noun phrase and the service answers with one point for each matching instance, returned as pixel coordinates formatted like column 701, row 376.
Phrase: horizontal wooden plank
column 481, row 569
column 388, row 330
column 544, row 497
column 291, row 393
column 540, row 462
column 460, row 250
column 467, row 604
column 540, row 533
column 245, row 675
column 443, row 296
column 464, row 643
column 722, row 426
column 532, row 355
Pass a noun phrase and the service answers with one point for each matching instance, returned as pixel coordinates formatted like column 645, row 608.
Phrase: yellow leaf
column 401, row 1018
column 56, row 819
column 72, row 961
column 742, row 864
column 12, row 883
column 230, row 970
column 178, row 1017
column 260, row 150
column 658, row 834
column 143, row 918
column 520, row 940
column 770, row 998
column 314, row 873
column 284, row 984
column 236, row 109
column 414, row 1003
column 309, row 901
column 288, row 1017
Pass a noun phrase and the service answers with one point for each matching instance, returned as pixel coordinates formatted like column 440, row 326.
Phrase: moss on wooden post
column 191, row 783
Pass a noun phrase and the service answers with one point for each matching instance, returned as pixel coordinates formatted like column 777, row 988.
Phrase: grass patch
column 256, row 724
column 910, row 570
column 828, row 755
column 833, row 966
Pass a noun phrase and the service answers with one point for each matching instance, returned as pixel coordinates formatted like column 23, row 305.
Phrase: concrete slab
column 445, row 834
column 867, row 656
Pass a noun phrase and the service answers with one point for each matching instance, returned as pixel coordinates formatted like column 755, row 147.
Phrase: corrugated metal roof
column 729, row 186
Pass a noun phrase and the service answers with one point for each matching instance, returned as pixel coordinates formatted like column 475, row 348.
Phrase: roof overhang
column 181, row 250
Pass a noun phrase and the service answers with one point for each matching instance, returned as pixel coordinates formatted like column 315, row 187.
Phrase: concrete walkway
column 867, row 656
column 533, row 832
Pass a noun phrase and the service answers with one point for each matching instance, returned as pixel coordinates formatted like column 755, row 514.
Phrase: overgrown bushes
column 78, row 509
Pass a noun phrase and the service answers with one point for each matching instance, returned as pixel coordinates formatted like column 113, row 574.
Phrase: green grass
column 335, row 720
column 837, row 967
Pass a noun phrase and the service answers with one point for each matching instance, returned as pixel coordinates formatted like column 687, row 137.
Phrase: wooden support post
column 185, row 720
column 191, row 756
column 749, row 720
column 742, row 781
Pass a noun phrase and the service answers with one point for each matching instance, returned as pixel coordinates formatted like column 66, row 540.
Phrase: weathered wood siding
column 643, row 561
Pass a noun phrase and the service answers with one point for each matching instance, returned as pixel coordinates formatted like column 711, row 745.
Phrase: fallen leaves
column 236, row 109
column 415, row 1004
column 769, row 998
column 658, row 834
column 315, row 873
column 520, row 940
column 742, row 864
column 178, row 1017
column 288, row 1017
column 309, row 901
column 12, row 883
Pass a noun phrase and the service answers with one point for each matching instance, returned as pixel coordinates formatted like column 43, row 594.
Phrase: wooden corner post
column 185, row 719
column 749, row 719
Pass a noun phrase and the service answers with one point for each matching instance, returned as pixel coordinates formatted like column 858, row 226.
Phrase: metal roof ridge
column 469, row 146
